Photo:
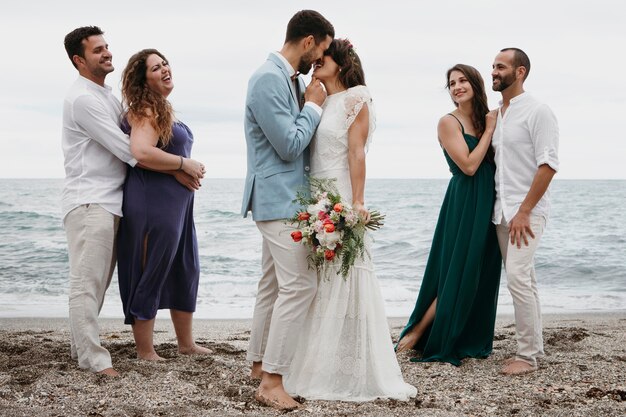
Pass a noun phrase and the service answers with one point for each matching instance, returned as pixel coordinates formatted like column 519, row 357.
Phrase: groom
column 278, row 131
column 526, row 143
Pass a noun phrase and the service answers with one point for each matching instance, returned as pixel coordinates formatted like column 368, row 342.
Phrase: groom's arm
column 271, row 106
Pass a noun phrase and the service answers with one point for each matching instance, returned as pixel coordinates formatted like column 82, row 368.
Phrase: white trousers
column 91, row 234
column 285, row 292
column 519, row 265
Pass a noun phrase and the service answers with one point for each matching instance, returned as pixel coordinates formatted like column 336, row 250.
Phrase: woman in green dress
column 455, row 312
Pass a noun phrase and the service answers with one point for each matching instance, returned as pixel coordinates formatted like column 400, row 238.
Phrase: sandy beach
column 582, row 374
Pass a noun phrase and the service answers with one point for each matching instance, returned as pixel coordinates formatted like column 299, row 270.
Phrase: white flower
column 318, row 226
column 351, row 218
column 329, row 240
column 314, row 209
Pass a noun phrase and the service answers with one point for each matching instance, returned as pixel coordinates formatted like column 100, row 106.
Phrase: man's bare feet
column 256, row 372
column 276, row 398
column 508, row 361
column 518, row 368
column 194, row 350
column 408, row 341
column 109, row 372
column 271, row 393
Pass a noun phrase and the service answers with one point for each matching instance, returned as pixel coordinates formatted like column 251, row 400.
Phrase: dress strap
column 462, row 128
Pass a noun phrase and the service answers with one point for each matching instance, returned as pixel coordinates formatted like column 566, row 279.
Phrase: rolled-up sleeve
column 545, row 136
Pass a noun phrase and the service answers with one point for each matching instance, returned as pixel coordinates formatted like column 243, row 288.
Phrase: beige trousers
column 285, row 292
column 519, row 265
column 91, row 234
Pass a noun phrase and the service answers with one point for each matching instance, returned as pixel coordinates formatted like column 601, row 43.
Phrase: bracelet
column 181, row 163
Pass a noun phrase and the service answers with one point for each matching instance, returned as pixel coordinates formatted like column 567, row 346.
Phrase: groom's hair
column 309, row 22
column 74, row 41
column 520, row 59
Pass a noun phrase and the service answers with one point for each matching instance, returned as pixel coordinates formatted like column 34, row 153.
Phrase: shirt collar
column 290, row 69
column 517, row 98
column 105, row 88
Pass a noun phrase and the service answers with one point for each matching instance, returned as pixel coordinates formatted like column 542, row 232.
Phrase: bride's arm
column 357, row 139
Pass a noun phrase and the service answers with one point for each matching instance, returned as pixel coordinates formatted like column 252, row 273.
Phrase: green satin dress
column 463, row 270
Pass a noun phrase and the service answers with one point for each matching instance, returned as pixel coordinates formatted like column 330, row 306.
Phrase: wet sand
column 582, row 374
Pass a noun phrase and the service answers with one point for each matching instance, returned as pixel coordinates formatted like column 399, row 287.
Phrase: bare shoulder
column 448, row 123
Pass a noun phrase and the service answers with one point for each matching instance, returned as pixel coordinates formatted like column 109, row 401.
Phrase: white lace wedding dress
column 345, row 350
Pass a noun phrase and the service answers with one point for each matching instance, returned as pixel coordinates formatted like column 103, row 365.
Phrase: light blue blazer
column 278, row 134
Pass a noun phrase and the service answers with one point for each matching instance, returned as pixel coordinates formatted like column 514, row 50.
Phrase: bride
column 345, row 351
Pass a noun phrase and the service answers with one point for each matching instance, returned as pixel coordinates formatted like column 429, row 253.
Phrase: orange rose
column 329, row 227
column 296, row 236
column 338, row 207
column 304, row 216
column 329, row 254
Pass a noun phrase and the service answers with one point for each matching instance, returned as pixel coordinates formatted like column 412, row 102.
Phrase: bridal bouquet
column 330, row 227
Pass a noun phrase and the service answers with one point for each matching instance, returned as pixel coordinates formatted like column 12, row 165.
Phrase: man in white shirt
column 526, row 143
column 96, row 153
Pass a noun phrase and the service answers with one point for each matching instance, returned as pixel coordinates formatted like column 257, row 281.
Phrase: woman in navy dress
column 158, row 264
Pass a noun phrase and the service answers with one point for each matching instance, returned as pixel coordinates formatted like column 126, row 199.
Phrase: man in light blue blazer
column 279, row 124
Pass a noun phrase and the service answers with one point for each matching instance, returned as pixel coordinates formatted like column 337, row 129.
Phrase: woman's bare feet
column 194, row 350
column 409, row 340
column 109, row 372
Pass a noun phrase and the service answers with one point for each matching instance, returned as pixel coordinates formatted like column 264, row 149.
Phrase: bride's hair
column 351, row 71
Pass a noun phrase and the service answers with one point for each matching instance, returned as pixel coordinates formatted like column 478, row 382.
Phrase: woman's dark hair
column 350, row 68
column 480, row 107
column 74, row 41
column 309, row 22
column 141, row 101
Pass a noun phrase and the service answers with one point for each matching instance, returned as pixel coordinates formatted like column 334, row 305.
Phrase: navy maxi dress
column 157, row 249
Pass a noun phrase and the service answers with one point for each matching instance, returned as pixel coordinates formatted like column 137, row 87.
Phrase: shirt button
column 306, row 168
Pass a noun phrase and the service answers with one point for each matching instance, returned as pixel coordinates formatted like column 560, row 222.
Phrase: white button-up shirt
column 95, row 148
column 526, row 137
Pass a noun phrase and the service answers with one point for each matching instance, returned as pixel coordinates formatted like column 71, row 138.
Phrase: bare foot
column 194, row 350
column 276, row 398
column 510, row 360
column 518, row 368
column 109, row 372
column 256, row 371
column 408, row 341
column 149, row 356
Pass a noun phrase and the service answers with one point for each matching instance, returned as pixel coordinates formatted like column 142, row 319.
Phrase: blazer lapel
column 276, row 60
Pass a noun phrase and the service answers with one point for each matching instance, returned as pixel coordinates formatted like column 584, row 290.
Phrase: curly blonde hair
column 143, row 103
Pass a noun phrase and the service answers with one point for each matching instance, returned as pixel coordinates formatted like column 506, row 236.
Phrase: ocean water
column 581, row 262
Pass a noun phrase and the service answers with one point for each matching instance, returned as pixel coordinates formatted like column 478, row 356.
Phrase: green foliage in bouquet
column 330, row 227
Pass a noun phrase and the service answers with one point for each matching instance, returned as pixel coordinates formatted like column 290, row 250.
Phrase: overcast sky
column 576, row 50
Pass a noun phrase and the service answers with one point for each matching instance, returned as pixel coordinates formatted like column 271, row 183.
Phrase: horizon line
column 369, row 178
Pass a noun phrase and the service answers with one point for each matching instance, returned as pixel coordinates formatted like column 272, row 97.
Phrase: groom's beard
column 306, row 63
column 504, row 82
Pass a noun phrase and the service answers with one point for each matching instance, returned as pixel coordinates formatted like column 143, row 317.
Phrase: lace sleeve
column 355, row 99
